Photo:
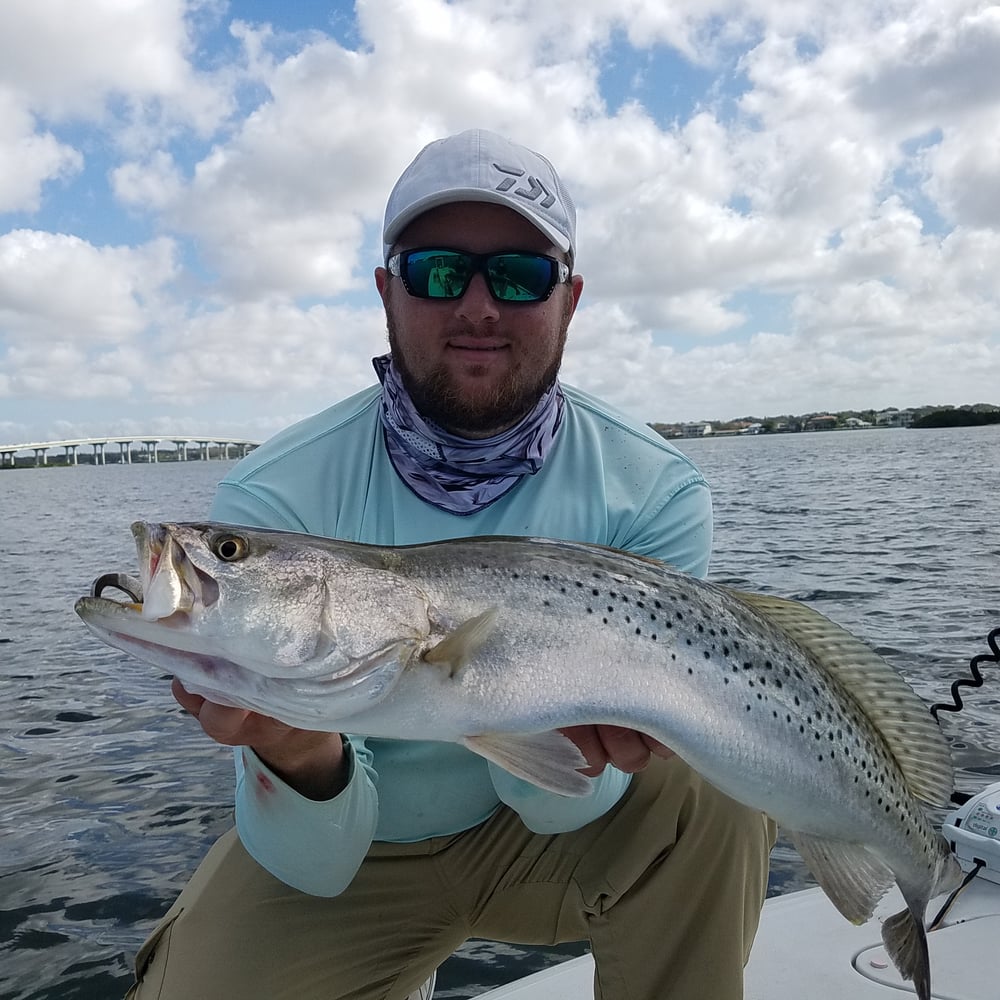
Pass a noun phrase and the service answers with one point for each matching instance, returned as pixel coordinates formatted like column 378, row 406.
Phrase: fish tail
column 906, row 942
column 903, row 933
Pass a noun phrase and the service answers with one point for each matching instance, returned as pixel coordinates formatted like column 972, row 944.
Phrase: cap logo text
column 535, row 190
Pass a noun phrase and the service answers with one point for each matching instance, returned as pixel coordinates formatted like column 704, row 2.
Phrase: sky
column 785, row 206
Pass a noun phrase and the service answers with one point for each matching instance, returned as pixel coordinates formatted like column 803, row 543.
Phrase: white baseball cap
column 478, row 165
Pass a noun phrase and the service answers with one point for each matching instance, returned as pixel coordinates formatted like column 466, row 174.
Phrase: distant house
column 894, row 418
column 698, row 429
column 821, row 422
column 856, row 423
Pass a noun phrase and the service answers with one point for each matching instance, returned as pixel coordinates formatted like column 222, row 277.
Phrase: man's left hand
column 627, row 749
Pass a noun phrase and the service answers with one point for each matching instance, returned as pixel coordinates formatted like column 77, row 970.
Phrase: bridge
column 148, row 444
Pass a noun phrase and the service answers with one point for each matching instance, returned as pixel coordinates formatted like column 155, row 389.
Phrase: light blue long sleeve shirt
column 607, row 479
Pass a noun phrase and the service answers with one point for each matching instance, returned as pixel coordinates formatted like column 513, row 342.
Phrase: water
column 110, row 795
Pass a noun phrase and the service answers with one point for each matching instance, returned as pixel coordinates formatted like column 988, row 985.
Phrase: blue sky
column 783, row 208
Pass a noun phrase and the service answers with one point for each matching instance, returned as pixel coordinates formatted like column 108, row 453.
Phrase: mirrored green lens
column 437, row 274
column 520, row 277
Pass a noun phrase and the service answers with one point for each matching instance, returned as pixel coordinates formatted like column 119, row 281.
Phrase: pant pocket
column 151, row 961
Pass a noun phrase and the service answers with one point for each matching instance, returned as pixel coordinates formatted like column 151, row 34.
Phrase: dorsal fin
column 909, row 730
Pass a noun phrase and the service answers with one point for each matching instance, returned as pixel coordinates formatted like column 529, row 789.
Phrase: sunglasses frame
column 560, row 272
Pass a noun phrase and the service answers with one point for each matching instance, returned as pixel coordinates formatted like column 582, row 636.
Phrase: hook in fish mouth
column 129, row 585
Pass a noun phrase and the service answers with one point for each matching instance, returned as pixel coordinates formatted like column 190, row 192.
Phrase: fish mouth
column 170, row 587
column 171, row 584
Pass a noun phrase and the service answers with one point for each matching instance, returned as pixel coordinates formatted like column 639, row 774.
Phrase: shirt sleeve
column 234, row 504
column 677, row 530
column 315, row 847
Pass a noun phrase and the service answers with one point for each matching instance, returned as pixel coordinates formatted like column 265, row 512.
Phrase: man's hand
column 627, row 749
column 314, row 764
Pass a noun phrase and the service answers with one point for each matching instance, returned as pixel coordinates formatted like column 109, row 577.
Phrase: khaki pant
column 667, row 887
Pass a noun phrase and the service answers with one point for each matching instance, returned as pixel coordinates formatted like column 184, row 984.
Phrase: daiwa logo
column 535, row 190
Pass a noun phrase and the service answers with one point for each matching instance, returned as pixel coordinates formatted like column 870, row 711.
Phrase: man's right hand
column 312, row 763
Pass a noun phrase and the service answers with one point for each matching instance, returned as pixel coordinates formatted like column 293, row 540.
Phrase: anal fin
column 851, row 876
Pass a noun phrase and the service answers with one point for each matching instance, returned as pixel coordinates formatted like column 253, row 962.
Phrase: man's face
column 474, row 365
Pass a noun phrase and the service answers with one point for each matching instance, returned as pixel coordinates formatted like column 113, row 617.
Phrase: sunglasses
column 512, row 276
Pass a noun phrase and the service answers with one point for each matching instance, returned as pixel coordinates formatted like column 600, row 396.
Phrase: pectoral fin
column 462, row 643
column 549, row 760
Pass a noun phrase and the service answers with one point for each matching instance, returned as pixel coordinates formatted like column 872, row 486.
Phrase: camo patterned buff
column 462, row 475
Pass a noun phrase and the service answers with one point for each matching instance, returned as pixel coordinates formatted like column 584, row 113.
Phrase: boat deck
column 806, row 949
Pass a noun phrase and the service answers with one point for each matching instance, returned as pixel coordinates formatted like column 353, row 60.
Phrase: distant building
column 698, row 429
column 894, row 418
column 821, row 422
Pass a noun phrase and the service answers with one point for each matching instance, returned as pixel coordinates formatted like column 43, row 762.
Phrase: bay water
column 110, row 795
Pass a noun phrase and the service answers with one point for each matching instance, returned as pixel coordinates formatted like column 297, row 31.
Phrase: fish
column 496, row 643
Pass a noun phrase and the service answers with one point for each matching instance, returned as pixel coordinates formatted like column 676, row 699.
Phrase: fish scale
column 495, row 643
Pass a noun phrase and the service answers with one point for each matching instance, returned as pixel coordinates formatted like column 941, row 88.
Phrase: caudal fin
column 903, row 933
column 906, row 942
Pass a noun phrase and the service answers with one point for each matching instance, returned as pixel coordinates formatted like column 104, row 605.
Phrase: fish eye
column 230, row 548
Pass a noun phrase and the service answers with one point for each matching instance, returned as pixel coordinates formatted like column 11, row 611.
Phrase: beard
column 489, row 411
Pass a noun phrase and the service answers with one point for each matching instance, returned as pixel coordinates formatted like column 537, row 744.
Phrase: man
column 356, row 866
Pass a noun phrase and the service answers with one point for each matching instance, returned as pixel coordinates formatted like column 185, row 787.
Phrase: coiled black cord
column 977, row 677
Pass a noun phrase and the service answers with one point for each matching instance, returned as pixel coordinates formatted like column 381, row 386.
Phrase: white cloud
column 28, row 157
column 65, row 58
column 57, row 288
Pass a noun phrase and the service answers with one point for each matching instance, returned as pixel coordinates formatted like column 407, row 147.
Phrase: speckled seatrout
column 494, row 643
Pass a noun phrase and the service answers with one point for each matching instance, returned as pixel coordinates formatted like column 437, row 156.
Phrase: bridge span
column 148, row 445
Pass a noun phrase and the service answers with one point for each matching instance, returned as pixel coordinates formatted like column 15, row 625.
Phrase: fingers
column 590, row 745
column 226, row 725
column 627, row 749
column 189, row 702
